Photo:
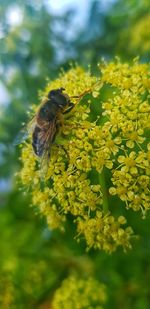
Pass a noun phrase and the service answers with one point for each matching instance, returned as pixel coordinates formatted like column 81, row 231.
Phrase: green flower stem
column 102, row 183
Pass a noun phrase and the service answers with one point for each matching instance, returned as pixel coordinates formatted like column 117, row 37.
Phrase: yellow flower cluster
column 100, row 140
column 6, row 292
column 79, row 294
column 104, row 232
column 129, row 118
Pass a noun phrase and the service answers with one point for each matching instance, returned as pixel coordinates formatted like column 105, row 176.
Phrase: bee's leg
column 75, row 97
column 62, row 147
column 59, row 123
column 70, row 107
column 81, row 94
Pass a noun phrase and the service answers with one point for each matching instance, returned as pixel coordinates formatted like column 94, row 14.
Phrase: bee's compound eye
column 51, row 93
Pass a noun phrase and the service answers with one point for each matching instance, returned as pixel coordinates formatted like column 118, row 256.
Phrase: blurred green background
column 38, row 38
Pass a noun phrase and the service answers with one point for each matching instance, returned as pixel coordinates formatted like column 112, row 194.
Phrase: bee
column 46, row 123
column 49, row 120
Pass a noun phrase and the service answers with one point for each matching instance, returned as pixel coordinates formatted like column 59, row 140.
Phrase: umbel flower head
column 104, row 154
column 79, row 293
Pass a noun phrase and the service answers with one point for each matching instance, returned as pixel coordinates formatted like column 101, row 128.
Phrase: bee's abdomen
column 37, row 142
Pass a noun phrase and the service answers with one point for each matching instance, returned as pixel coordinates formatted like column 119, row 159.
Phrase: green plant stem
column 102, row 183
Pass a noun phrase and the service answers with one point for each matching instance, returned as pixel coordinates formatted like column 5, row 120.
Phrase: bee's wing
column 46, row 140
column 24, row 132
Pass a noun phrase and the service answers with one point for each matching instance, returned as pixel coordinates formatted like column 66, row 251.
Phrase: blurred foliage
column 34, row 261
column 109, row 32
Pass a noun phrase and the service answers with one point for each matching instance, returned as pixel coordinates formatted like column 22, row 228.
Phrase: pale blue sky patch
column 14, row 15
column 4, row 95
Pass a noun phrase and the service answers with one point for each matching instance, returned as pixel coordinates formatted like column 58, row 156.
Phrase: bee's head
column 58, row 97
